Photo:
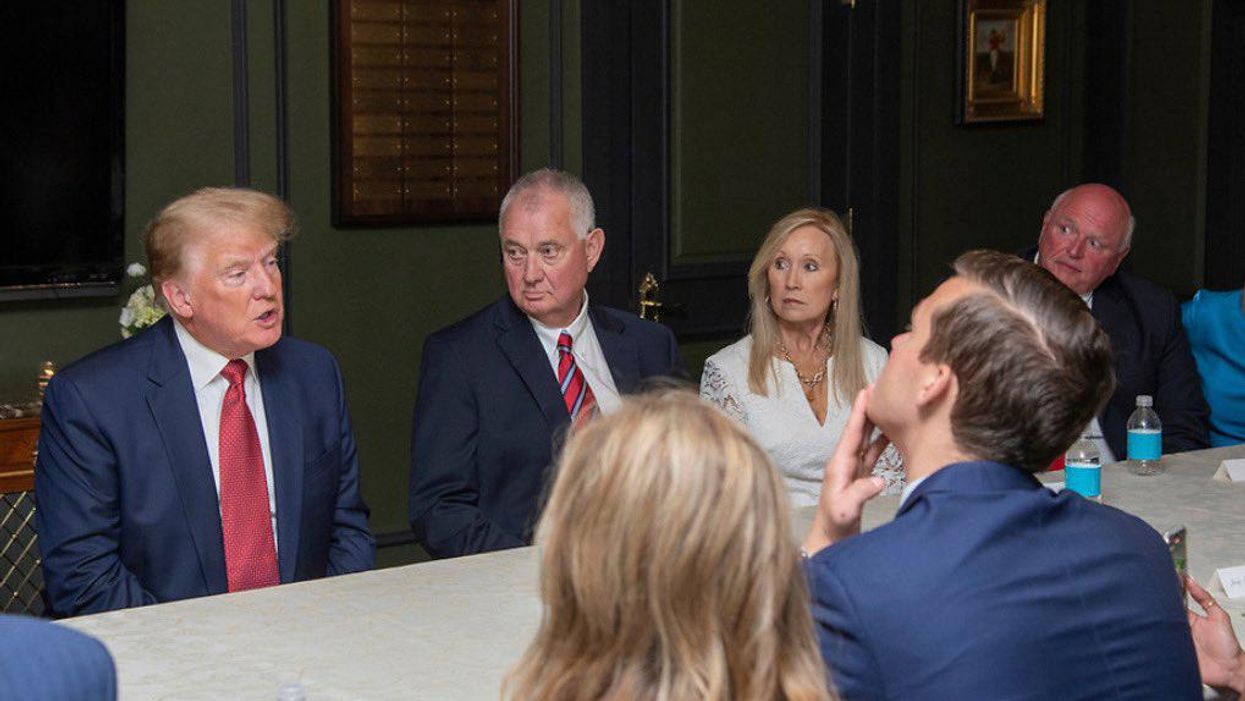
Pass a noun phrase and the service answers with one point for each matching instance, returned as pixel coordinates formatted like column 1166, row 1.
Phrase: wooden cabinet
column 18, row 440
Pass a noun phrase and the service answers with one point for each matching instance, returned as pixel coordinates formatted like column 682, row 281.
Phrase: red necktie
column 246, row 522
column 580, row 402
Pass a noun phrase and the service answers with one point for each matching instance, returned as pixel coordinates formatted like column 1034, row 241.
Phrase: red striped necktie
column 580, row 402
column 246, row 522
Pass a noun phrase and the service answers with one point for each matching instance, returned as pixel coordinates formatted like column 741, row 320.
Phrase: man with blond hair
column 207, row 454
column 986, row 585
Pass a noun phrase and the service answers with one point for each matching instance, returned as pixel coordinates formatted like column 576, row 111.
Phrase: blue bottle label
column 1145, row 444
column 1085, row 480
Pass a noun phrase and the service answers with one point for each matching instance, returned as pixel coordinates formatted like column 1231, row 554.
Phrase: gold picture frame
column 1002, row 60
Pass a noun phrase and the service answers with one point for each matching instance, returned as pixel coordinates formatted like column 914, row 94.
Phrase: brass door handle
column 651, row 307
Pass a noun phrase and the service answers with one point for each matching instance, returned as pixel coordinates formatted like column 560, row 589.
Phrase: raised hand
column 847, row 483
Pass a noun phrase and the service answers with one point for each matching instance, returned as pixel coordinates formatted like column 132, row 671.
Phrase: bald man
column 1085, row 236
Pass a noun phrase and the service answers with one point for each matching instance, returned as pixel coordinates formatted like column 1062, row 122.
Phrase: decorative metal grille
column 21, row 573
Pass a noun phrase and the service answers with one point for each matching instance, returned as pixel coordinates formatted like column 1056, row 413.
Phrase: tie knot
column 235, row 371
column 564, row 342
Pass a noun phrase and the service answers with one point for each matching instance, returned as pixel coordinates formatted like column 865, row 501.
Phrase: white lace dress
column 784, row 423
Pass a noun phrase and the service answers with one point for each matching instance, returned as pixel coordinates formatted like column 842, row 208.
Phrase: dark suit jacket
column 988, row 586
column 42, row 661
column 128, row 511
column 1152, row 357
column 488, row 415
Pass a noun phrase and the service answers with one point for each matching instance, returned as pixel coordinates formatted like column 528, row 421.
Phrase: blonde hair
column 168, row 232
column 668, row 566
column 848, row 377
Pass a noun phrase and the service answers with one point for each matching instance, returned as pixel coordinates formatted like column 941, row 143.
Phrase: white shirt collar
column 549, row 334
column 908, row 488
column 205, row 363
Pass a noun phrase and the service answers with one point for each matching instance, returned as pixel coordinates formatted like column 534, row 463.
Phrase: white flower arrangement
column 141, row 310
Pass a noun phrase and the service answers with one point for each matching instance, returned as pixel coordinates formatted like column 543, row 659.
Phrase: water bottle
column 1145, row 438
column 1083, row 469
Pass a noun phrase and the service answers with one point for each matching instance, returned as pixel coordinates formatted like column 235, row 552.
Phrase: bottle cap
column 1145, row 400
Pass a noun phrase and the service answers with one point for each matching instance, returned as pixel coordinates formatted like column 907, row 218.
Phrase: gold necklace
column 809, row 384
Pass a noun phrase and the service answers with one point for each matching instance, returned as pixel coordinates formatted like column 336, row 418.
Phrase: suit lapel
column 285, row 442
column 621, row 352
column 518, row 342
column 176, row 414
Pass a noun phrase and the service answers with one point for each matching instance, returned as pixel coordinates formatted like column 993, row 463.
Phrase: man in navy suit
column 1085, row 236
column 208, row 453
column 987, row 585
column 498, row 390
column 42, row 661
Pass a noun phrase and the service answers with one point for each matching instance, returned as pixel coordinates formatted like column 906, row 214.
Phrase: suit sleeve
column 1179, row 400
column 352, row 548
column 444, row 488
column 854, row 673
column 79, row 512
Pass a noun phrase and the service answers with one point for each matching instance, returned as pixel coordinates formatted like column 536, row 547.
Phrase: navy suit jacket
column 488, row 416
column 1151, row 356
column 42, row 661
column 988, row 586
column 127, row 505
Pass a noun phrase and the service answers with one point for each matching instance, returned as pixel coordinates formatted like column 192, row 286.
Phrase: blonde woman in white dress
column 792, row 379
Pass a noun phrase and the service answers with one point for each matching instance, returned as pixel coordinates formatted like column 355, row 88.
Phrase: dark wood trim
column 1224, row 267
column 18, row 441
column 556, row 149
column 241, row 98
column 860, row 153
column 1108, row 67
column 282, row 136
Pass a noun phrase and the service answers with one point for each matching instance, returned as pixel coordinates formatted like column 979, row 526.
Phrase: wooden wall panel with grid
column 424, row 110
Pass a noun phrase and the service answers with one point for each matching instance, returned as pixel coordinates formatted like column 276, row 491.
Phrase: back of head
column 1032, row 365
column 669, row 570
column 203, row 210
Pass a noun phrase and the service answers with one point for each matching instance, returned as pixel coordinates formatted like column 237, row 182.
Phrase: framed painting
column 1001, row 61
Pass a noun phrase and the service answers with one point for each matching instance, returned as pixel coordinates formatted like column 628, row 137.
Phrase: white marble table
column 451, row 629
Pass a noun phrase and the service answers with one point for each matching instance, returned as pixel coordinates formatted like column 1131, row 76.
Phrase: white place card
column 1231, row 580
column 1231, row 470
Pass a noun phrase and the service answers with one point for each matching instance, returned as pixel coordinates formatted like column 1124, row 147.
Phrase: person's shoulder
column 471, row 326
column 1138, row 288
column 631, row 323
column 733, row 356
column 117, row 363
column 872, row 351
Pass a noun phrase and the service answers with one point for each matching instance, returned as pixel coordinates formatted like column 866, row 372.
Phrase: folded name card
column 1231, row 470
column 1231, row 580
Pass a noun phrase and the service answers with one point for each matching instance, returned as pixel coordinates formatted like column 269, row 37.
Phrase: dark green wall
column 980, row 186
column 371, row 296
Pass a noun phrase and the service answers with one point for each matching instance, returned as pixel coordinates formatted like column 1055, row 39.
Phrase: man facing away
column 497, row 389
column 987, row 585
column 208, row 453
column 1085, row 236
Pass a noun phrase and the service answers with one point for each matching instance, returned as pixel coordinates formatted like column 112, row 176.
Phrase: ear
column 594, row 246
column 938, row 385
column 177, row 297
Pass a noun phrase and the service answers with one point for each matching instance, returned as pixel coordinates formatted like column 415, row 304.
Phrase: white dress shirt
column 205, row 367
column 586, row 350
